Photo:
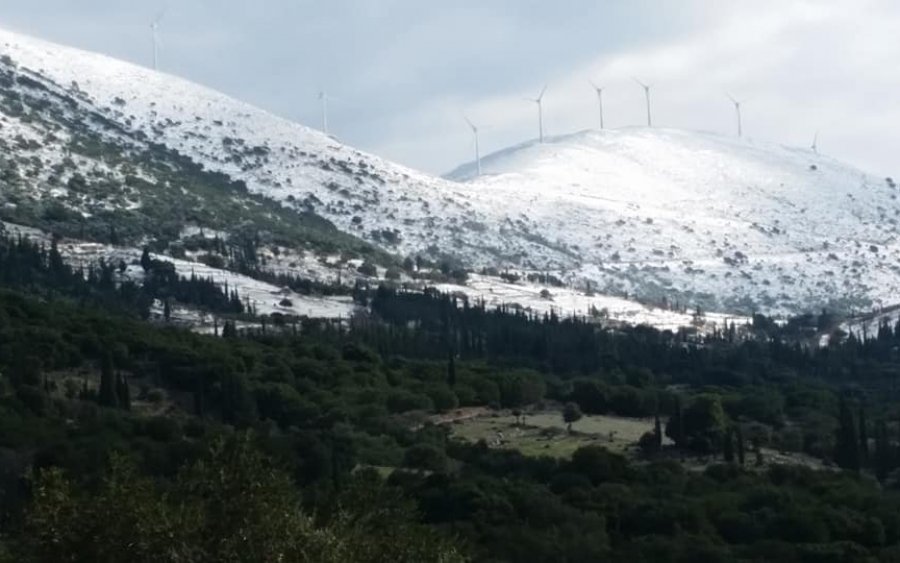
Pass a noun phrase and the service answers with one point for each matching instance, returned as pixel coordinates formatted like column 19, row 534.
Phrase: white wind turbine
column 646, row 88
column 539, row 101
column 323, row 96
column 737, row 109
column 477, row 151
column 599, row 91
column 154, row 28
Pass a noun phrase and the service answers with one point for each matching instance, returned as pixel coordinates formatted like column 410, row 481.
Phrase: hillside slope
column 705, row 218
column 91, row 143
column 402, row 210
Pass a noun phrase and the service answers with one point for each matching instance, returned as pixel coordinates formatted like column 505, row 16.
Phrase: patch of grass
column 545, row 434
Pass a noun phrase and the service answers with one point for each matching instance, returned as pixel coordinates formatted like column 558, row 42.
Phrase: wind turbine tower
column 323, row 96
column 540, row 105
column 737, row 109
column 646, row 88
column 599, row 91
column 477, row 151
column 154, row 28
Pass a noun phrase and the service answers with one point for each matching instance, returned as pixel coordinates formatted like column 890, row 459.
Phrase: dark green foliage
column 657, row 432
column 451, row 369
column 728, row 446
column 231, row 505
column 107, row 395
column 863, row 436
column 329, row 401
column 846, row 450
column 571, row 413
column 29, row 266
column 123, row 393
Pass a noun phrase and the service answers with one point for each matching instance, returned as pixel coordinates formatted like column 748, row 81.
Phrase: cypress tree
column 657, row 431
column 863, row 436
column 728, row 446
column 199, row 398
column 883, row 458
column 675, row 426
column 238, row 406
column 146, row 262
column 123, row 393
column 451, row 369
column 846, row 450
column 107, row 382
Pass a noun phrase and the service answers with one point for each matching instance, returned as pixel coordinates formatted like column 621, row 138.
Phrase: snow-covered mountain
column 731, row 222
column 402, row 210
column 661, row 215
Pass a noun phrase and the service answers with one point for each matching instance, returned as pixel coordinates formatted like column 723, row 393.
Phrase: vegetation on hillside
column 115, row 435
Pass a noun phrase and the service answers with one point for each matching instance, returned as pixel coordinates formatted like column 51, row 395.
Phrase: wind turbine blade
column 541, row 95
column 639, row 82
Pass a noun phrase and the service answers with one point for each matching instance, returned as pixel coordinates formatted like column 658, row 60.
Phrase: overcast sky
column 403, row 72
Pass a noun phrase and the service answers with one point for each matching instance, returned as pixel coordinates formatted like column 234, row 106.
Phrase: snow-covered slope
column 404, row 211
column 665, row 216
column 735, row 222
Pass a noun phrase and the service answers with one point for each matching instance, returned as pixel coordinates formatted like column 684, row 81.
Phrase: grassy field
column 544, row 433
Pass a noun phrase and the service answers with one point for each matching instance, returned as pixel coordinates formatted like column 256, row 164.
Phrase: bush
column 443, row 398
column 400, row 401
column 427, row 457
column 368, row 269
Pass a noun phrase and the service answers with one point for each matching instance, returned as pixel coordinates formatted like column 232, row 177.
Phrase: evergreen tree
column 571, row 414
column 728, row 446
column 863, row 437
column 883, row 458
column 229, row 330
column 146, row 261
column 451, row 369
column 123, row 393
column 740, row 444
column 657, row 431
column 238, row 406
column 675, row 426
column 107, row 382
column 199, row 399
column 846, row 449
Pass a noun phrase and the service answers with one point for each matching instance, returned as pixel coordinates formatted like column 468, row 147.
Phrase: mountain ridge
column 667, row 216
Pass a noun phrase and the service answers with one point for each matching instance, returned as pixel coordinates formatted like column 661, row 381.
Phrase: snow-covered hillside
column 664, row 216
column 405, row 211
column 741, row 223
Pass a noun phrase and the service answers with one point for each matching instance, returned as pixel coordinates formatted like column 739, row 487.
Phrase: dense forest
column 304, row 440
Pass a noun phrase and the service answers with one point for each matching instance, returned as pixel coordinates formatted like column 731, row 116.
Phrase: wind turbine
column 477, row 151
column 646, row 88
column 599, row 99
column 737, row 109
column 154, row 28
column 539, row 101
column 323, row 96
